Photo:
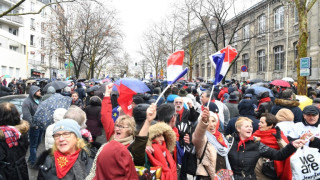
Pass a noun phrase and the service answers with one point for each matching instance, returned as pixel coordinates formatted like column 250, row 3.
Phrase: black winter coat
column 93, row 112
column 78, row 103
column 264, row 107
column 13, row 160
column 79, row 171
column 243, row 162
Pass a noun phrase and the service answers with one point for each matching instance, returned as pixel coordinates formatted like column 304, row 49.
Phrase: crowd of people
column 185, row 135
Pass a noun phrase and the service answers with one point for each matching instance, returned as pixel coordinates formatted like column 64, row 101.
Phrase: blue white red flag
column 174, row 66
column 221, row 61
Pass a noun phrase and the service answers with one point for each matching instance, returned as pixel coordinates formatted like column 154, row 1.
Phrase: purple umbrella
column 132, row 83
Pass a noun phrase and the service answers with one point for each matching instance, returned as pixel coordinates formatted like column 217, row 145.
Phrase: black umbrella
column 102, row 88
column 256, row 81
column 93, row 88
column 56, row 84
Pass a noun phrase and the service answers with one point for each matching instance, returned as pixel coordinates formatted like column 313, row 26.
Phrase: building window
column 32, row 6
column 262, row 24
column 13, row 31
column 202, row 70
column 31, row 40
column 42, row 42
column 42, row 27
column 278, row 57
column 234, row 67
column 32, row 24
column 246, row 32
column 235, row 39
column 261, row 60
column 208, row 70
column 278, row 18
column 13, row 48
column 245, row 59
column 296, row 17
column 42, row 58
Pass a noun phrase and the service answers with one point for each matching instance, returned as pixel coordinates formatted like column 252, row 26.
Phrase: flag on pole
column 125, row 98
column 221, row 61
column 174, row 66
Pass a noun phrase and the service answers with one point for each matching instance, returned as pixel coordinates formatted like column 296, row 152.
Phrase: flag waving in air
column 221, row 61
column 174, row 67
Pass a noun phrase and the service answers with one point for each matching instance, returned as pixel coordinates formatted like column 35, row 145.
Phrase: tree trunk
column 302, row 48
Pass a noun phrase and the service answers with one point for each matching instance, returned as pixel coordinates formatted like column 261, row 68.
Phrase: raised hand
column 108, row 90
column 205, row 115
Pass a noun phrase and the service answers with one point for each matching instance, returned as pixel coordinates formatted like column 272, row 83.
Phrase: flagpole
column 210, row 96
column 162, row 93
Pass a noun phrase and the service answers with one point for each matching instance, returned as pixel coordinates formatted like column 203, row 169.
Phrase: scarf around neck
column 268, row 139
column 11, row 135
column 243, row 142
column 64, row 162
column 126, row 141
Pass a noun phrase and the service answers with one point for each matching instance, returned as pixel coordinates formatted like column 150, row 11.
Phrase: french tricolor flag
column 174, row 67
column 221, row 62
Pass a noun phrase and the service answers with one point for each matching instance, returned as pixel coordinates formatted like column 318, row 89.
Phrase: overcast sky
column 137, row 15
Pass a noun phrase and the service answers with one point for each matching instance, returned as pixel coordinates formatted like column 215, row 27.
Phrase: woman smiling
column 70, row 157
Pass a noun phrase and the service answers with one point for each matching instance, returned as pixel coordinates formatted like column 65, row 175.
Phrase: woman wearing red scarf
column 245, row 151
column 267, row 133
column 163, row 140
column 211, row 146
column 70, row 158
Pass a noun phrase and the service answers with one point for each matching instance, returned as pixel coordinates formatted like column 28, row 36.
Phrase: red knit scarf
column 169, row 169
column 218, row 135
column 283, row 168
column 263, row 100
column 180, row 113
column 243, row 142
column 64, row 162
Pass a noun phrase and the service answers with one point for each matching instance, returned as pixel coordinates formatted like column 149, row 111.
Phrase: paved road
column 33, row 173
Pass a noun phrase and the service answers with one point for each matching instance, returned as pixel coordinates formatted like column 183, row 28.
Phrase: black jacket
column 29, row 106
column 13, row 160
column 243, row 162
column 78, row 103
column 5, row 91
column 92, row 111
column 80, row 91
column 79, row 171
column 289, row 104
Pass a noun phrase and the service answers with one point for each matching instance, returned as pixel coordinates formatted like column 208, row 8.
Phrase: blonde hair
column 240, row 121
column 81, row 144
column 129, row 121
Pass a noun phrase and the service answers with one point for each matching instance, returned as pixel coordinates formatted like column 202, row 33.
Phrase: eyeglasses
column 119, row 126
column 64, row 135
column 178, row 102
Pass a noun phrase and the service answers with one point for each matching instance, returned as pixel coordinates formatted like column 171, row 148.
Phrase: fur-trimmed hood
column 286, row 102
column 168, row 134
column 23, row 128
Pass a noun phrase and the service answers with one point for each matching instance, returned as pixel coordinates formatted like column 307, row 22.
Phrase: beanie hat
column 138, row 100
column 58, row 114
column 67, row 125
column 284, row 114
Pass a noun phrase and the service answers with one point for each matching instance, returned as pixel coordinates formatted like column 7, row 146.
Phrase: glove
column 278, row 133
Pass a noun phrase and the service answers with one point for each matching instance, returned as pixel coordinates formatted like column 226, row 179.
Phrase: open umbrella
column 304, row 101
column 253, row 81
column 56, row 84
column 288, row 79
column 262, row 84
column 259, row 89
column 281, row 83
column 44, row 114
column 133, row 84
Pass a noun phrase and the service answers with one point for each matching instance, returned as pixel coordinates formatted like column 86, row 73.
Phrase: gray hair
column 77, row 114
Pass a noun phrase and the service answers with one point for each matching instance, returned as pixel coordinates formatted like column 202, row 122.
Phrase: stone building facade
column 271, row 27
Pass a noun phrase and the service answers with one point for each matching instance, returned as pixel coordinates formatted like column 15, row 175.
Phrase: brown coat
column 199, row 140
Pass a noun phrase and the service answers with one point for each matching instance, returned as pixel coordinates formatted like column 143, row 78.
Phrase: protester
column 232, row 105
column 76, row 100
column 162, row 139
column 70, row 157
column 285, row 119
column 29, row 108
column 211, row 146
column 13, row 143
column 57, row 116
column 81, row 92
column 51, row 90
column 93, row 112
column 265, row 104
column 273, row 138
column 113, row 161
column 287, row 102
column 243, row 164
column 123, row 129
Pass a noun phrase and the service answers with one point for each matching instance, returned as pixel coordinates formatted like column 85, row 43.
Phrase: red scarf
column 169, row 169
column 283, row 168
column 180, row 113
column 266, row 99
column 64, row 162
column 243, row 142
column 218, row 135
